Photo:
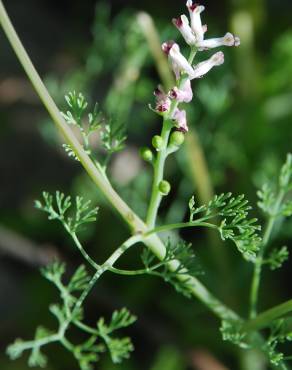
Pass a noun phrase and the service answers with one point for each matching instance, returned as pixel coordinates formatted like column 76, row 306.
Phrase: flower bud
column 164, row 187
column 177, row 138
column 146, row 154
column 157, row 142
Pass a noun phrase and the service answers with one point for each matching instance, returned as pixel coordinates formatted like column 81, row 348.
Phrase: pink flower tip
column 177, row 22
column 166, row 46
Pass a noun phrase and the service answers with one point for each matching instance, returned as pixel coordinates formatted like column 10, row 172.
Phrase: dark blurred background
column 241, row 116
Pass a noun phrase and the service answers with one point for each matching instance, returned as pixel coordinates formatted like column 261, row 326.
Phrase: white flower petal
column 204, row 67
column 228, row 40
column 182, row 24
column 195, row 11
column 179, row 61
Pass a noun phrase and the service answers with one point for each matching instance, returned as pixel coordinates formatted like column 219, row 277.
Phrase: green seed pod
column 146, row 154
column 157, row 142
column 177, row 138
column 164, row 187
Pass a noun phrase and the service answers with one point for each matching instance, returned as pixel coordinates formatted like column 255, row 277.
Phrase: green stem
column 266, row 318
column 83, row 252
column 180, row 225
column 25, row 346
column 254, row 292
column 156, row 195
column 104, row 267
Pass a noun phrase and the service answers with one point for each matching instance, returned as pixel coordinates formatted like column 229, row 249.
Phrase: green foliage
column 119, row 348
column 235, row 224
column 111, row 132
column 69, row 313
column 273, row 203
column 232, row 331
column 179, row 260
column 77, row 105
column 285, row 179
column 113, row 136
column 280, row 332
column 58, row 207
column 277, row 257
column 267, row 199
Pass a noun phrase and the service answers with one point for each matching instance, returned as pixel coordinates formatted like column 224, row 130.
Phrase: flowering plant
column 174, row 261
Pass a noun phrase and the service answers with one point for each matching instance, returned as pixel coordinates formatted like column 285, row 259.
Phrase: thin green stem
column 85, row 328
column 265, row 318
column 147, row 270
column 156, row 195
column 180, row 225
column 83, row 252
column 104, row 267
column 254, row 292
column 25, row 346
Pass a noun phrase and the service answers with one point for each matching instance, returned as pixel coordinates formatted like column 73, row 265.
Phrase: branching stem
column 265, row 318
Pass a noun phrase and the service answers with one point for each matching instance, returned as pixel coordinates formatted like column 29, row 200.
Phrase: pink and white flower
column 204, row 67
column 228, row 40
column 182, row 24
column 183, row 95
column 162, row 100
column 199, row 30
column 195, row 11
column 180, row 118
column 178, row 61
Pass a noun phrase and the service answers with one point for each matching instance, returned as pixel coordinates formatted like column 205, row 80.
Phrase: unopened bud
column 146, row 154
column 177, row 138
column 157, row 142
column 164, row 187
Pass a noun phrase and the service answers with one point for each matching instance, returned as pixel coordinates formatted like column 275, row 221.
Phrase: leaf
column 121, row 319
column 68, row 149
column 120, row 349
column 59, row 205
column 183, row 261
column 267, row 199
column 15, row 350
column 277, row 257
column 54, row 272
column 235, row 224
column 79, row 281
column 286, row 209
column 113, row 136
column 77, row 105
column 286, row 174
column 231, row 331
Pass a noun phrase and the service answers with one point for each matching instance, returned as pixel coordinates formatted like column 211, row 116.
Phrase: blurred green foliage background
column 241, row 115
